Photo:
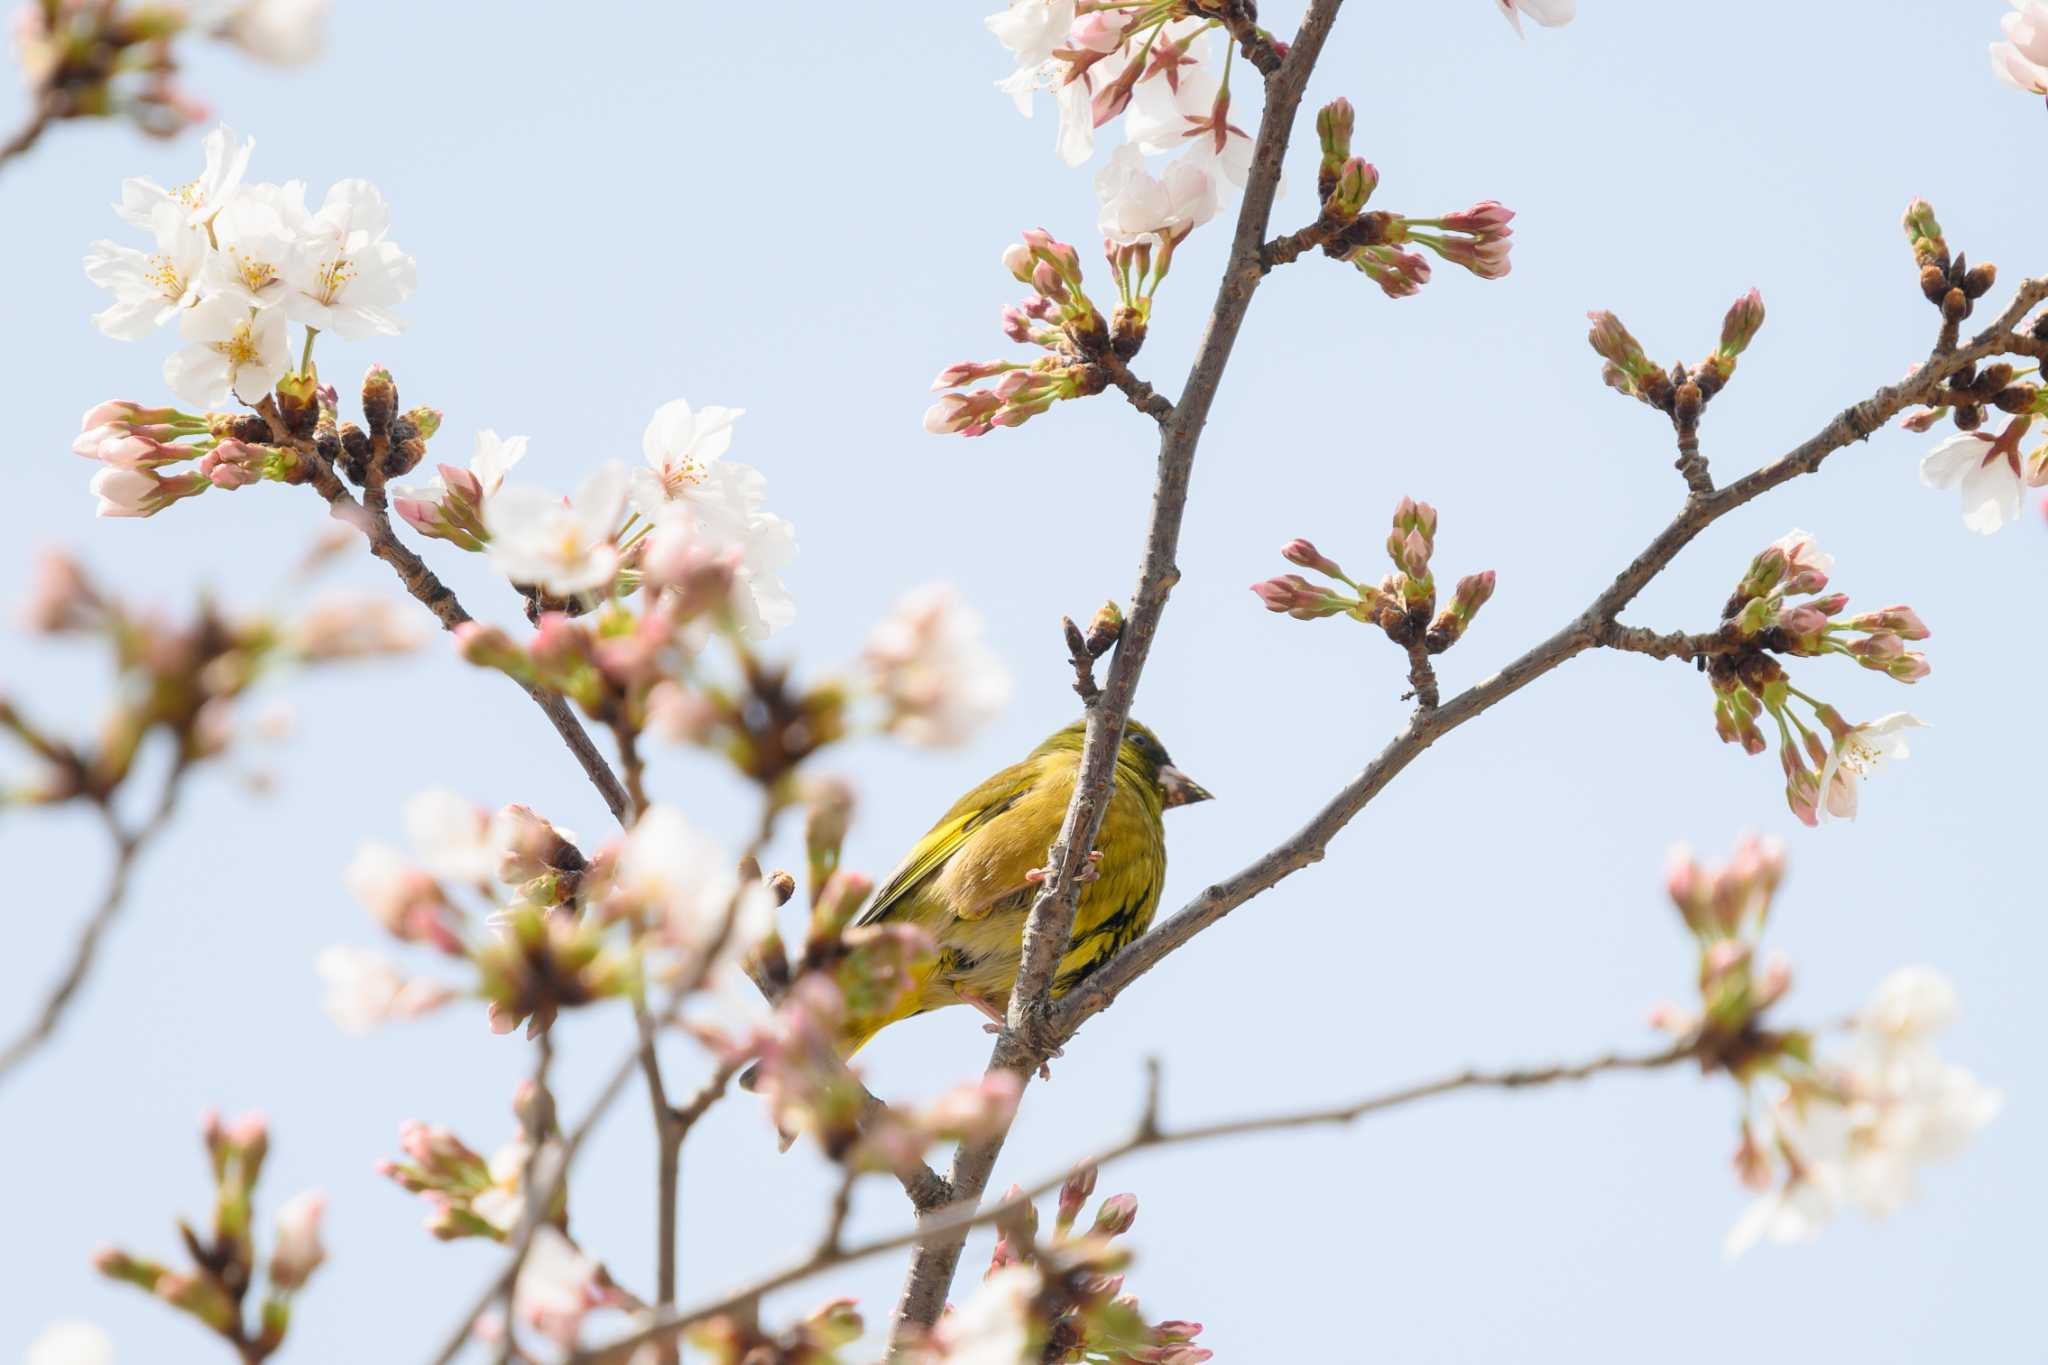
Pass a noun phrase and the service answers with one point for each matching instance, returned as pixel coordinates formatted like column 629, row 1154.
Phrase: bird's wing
column 931, row 854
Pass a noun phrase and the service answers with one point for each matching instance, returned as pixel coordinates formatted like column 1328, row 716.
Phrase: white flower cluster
column 232, row 262
column 1859, row 1136
column 1162, row 78
column 687, row 502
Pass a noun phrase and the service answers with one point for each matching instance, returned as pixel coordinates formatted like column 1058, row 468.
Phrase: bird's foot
column 1090, row 871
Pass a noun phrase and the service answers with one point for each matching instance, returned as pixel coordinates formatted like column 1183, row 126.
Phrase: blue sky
column 653, row 202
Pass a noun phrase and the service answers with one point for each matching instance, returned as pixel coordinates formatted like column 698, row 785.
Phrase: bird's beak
column 1180, row 789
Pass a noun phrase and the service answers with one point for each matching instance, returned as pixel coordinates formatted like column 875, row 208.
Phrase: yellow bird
column 970, row 881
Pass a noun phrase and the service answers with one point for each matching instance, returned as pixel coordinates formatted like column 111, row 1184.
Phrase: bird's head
column 1144, row 756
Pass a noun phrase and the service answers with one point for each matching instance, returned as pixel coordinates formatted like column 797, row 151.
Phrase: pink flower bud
column 1612, row 342
column 298, row 1252
column 966, row 414
column 1740, row 327
column 1115, row 1215
column 1484, row 219
column 966, row 372
column 1301, row 552
column 139, row 493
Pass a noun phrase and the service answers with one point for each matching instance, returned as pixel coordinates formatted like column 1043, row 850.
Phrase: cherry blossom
column 563, row 548
column 2021, row 60
column 199, row 200
column 450, row 505
column 257, row 232
column 702, row 503
column 149, row 287
column 1858, row 752
column 681, row 445
column 344, row 277
column 1549, row 13
column 1136, row 207
column 1032, row 30
column 1986, row 473
column 928, row 662
column 232, row 351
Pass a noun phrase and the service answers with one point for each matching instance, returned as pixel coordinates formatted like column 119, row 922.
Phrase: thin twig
column 128, row 846
column 668, row 1149
column 1024, row 1042
column 1592, row 627
column 539, row 1120
column 1146, row 1134
column 437, row 597
column 31, row 131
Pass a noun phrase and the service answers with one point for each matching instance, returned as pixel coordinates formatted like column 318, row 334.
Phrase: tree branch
column 1593, row 626
column 128, row 847
column 1146, row 1134
column 31, row 131
column 1143, row 396
column 1024, row 1042
column 437, row 597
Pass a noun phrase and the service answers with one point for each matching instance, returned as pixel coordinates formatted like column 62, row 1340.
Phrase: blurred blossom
column 557, row 1286
column 930, row 666
column 298, row 1251
column 61, row 597
column 997, row 1325
column 401, row 897
column 1855, row 1130
column 1549, row 13
column 353, row 629
column 280, row 32
column 679, row 880
column 365, row 991
column 70, row 1343
column 453, row 835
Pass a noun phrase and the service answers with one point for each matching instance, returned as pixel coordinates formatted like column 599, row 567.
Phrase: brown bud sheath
column 1105, row 628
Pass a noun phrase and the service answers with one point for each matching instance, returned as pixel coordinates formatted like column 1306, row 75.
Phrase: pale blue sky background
column 800, row 214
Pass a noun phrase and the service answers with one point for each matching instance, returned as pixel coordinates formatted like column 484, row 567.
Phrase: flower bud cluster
column 1761, row 620
column 1059, row 319
column 466, row 1195
column 120, row 60
column 1821, row 1127
column 1727, row 909
column 183, row 680
column 1951, row 284
column 219, row 1288
column 1404, row 600
column 1683, row 392
column 1068, row 1288
column 819, row 1339
column 1478, row 238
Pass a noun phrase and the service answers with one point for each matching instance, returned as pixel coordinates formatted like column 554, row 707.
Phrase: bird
column 970, row 881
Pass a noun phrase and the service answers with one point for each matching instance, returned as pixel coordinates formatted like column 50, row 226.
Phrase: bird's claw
column 1090, row 870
